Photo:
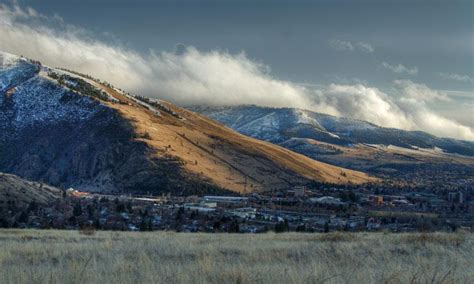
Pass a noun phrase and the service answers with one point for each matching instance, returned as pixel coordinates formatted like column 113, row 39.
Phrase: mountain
column 71, row 130
column 347, row 142
column 280, row 124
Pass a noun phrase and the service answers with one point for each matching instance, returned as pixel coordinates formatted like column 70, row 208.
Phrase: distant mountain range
column 278, row 125
column 71, row 130
column 346, row 142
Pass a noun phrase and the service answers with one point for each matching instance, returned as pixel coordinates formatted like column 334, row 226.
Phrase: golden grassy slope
column 222, row 156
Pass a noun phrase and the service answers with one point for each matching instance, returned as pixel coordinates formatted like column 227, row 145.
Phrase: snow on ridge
column 303, row 117
column 265, row 128
column 435, row 151
column 8, row 59
column 91, row 82
column 38, row 100
column 333, row 135
column 15, row 75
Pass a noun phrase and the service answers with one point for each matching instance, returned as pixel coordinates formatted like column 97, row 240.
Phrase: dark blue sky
column 296, row 38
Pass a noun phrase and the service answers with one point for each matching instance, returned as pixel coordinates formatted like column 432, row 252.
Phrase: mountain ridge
column 343, row 130
column 407, row 157
column 69, row 129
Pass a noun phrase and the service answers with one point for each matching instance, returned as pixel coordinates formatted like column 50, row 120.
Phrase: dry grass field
column 29, row 256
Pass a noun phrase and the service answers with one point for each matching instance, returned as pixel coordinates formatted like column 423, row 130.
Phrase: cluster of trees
column 158, row 106
column 282, row 227
column 348, row 196
column 79, row 85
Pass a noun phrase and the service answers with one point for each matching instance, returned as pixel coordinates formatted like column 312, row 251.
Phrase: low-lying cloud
column 407, row 110
column 420, row 92
column 185, row 77
column 189, row 76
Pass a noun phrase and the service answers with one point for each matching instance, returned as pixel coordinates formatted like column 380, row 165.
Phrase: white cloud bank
column 408, row 111
column 217, row 78
column 457, row 77
column 187, row 77
column 400, row 69
column 340, row 44
column 420, row 92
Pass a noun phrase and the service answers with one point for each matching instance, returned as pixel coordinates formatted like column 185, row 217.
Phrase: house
column 244, row 213
column 375, row 200
column 420, row 196
column 208, row 204
column 373, row 224
column 132, row 228
column 225, row 199
column 327, row 200
column 401, row 202
column 198, row 208
column 299, row 191
column 355, row 222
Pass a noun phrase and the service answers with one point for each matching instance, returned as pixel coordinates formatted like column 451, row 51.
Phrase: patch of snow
column 15, row 74
column 71, row 83
column 434, row 152
column 38, row 100
column 342, row 125
column 429, row 150
column 303, row 117
column 7, row 59
column 333, row 135
column 264, row 128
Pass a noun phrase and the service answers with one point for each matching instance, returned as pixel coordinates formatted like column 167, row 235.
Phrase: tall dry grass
column 29, row 256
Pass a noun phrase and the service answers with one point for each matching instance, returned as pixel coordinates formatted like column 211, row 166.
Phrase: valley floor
column 30, row 256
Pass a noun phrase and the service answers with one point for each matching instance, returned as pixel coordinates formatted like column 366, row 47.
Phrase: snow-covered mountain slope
column 70, row 138
column 71, row 130
column 59, row 105
column 280, row 124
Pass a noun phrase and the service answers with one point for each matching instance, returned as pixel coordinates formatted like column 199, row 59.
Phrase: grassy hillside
column 113, row 257
column 23, row 192
column 224, row 157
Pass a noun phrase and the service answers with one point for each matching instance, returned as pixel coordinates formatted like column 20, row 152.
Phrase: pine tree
column 77, row 209
column 326, row 227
